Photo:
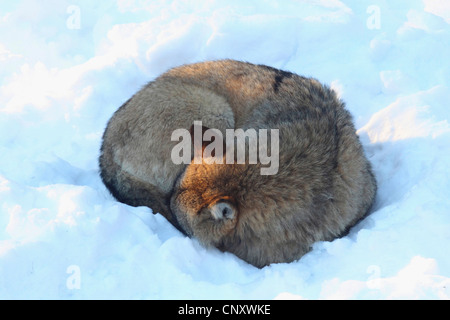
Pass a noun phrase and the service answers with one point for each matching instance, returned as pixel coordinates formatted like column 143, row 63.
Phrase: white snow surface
column 66, row 66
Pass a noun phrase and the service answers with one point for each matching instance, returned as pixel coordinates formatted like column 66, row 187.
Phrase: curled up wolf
column 323, row 182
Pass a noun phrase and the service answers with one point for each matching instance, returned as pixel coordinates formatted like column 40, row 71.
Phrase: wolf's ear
column 196, row 129
column 197, row 141
column 209, row 140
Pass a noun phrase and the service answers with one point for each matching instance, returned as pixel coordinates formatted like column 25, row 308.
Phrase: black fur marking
column 280, row 75
column 277, row 83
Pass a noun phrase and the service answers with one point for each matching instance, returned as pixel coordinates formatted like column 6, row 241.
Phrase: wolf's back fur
column 323, row 187
column 135, row 161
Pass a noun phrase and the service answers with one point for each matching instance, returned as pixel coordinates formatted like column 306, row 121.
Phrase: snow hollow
column 66, row 66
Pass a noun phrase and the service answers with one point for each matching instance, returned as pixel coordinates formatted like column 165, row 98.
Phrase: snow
column 66, row 66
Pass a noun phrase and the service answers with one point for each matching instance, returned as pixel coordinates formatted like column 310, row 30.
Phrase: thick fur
column 323, row 187
column 135, row 162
